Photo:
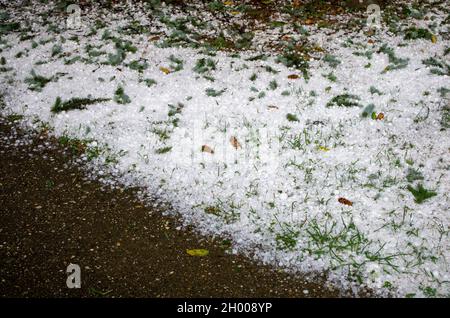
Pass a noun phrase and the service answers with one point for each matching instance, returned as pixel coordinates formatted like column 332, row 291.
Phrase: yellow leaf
column 234, row 12
column 323, row 148
column 197, row 252
column 228, row 3
column 433, row 38
column 165, row 70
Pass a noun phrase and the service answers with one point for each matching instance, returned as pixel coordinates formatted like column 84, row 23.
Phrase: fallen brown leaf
column 293, row 76
column 345, row 201
column 235, row 143
column 208, row 149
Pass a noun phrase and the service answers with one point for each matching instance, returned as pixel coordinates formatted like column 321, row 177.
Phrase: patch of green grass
column 437, row 67
column 445, row 117
column 291, row 117
column 56, row 50
column 214, row 93
column 429, row 292
column 138, row 65
column 72, row 60
column 37, row 82
column 443, row 91
column 9, row 27
column 374, row 90
column 177, row 64
column 287, row 240
column 291, row 58
column 163, row 134
column 270, row 69
column 414, row 33
column 163, row 150
column 175, row 109
column 331, row 60
column 149, row 82
column 420, row 193
column 273, row 85
column 344, row 100
column 76, row 146
column 413, row 175
column 396, row 63
column 75, row 103
column 204, row 65
column 14, row 117
column 244, row 40
column 120, row 97
column 253, row 77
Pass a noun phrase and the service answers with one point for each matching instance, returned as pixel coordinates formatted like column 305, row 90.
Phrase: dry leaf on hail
column 293, row 76
column 208, row 149
column 165, row 70
column 272, row 107
column 380, row 116
column 345, row 201
column 235, row 143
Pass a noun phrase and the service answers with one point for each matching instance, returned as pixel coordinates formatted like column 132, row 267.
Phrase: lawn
column 314, row 142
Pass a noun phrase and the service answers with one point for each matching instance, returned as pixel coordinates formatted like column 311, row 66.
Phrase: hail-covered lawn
column 328, row 153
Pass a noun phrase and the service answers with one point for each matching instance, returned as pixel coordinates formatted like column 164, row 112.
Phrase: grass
column 291, row 117
column 344, row 100
column 420, row 193
column 396, row 63
column 291, row 58
column 414, row 33
column 329, row 238
column 37, row 82
column 273, row 85
column 331, row 60
column 374, row 90
column 413, row 175
column 204, row 65
column 139, row 66
column 437, row 67
column 287, row 240
column 176, row 65
column 163, row 150
column 120, row 97
column 445, row 117
column 149, row 82
column 75, row 103
column 214, row 93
